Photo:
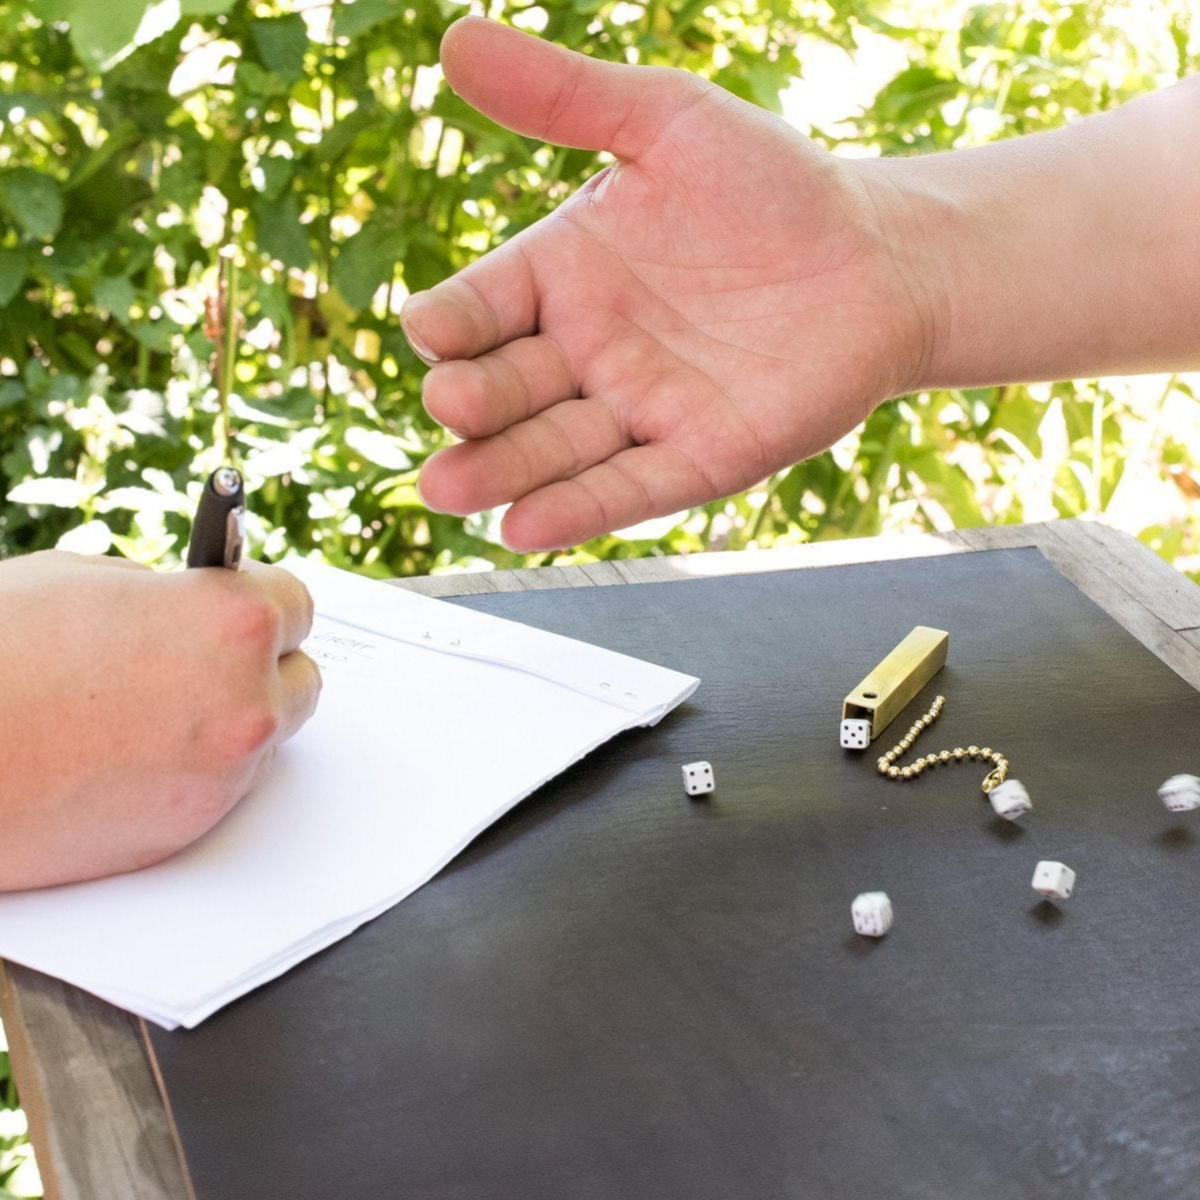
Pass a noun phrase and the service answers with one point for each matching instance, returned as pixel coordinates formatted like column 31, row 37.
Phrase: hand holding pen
column 138, row 706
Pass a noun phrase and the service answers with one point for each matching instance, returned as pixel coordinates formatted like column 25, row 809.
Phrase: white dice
column 856, row 733
column 1053, row 879
column 872, row 914
column 1181, row 793
column 1010, row 799
column 698, row 778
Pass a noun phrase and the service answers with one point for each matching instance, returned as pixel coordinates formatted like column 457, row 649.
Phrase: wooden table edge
column 82, row 1064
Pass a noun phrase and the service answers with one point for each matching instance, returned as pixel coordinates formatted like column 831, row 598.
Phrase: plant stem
column 228, row 334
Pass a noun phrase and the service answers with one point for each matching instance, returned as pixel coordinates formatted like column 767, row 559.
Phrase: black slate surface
column 620, row 993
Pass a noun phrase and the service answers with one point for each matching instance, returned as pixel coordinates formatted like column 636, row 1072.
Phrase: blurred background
column 212, row 210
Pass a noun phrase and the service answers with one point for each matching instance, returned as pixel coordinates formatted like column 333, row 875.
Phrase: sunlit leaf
column 92, row 537
column 378, row 448
column 60, row 493
column 103, row 33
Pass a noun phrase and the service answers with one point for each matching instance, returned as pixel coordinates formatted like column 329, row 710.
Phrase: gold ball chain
column 888, row 763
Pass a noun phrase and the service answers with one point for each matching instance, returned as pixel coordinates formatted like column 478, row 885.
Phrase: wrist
column 911, row 240
column 985, row 238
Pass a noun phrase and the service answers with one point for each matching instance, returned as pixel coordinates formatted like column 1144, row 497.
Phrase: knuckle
column 254, row 733
column 251, row 621
column 238, row 738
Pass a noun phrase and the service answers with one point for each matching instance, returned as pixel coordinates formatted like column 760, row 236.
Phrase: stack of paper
column 434, row 720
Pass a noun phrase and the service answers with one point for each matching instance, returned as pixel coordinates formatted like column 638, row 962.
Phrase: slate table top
column 621, row 992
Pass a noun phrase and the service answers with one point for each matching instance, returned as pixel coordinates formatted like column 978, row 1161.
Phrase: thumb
column 542, row 90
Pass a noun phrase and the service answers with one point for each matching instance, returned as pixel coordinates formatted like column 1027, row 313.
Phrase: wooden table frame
column 97, row 1118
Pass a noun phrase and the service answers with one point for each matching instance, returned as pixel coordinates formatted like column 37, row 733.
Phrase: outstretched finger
column 566, row 439
column 489, row 303
column 546, row 91
column 479, row 397
column 633, row 486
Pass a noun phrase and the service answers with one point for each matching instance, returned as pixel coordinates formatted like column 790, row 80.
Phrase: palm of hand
column 685, row 325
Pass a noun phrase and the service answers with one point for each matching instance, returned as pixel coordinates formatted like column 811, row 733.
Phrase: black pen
column 220, row 526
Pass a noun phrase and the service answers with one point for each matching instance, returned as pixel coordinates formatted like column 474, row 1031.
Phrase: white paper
column 434, row 720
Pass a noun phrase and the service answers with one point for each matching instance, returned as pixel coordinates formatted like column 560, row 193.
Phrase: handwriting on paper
column 331, row 643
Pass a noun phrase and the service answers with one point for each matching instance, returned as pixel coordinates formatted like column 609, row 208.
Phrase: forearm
column 1062, row 255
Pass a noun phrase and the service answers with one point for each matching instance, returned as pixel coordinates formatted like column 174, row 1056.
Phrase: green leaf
column 106, row 200
column 366, row 261
column 686, row 14
column 205, row 8
column 128, row 133
column 12, row 392
column 103, row 34
column 80, row 349
column 157, row 335
column 355, row 18
column 33, row 200
column 277, row 173
column 1180, row 39
column 913, row 94
column 766, row 82
column 254, row 78
column 115, row 294
column 13, row 266
column 53, row 11
column 1073, row 32
column 280, row 233
column 491, row 137
column 425, row 262
column 341, row 137
column 282, row 43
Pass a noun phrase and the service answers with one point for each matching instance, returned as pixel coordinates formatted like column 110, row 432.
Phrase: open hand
column 718, row 305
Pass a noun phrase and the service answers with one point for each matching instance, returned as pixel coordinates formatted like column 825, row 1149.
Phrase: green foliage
column 138, row 140
column 18, row 1173
column 319, row 143
column 947, row 459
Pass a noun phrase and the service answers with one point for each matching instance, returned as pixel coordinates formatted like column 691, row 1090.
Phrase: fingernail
column 421, row 350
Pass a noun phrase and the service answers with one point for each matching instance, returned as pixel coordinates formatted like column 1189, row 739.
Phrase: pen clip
column 235, row 537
